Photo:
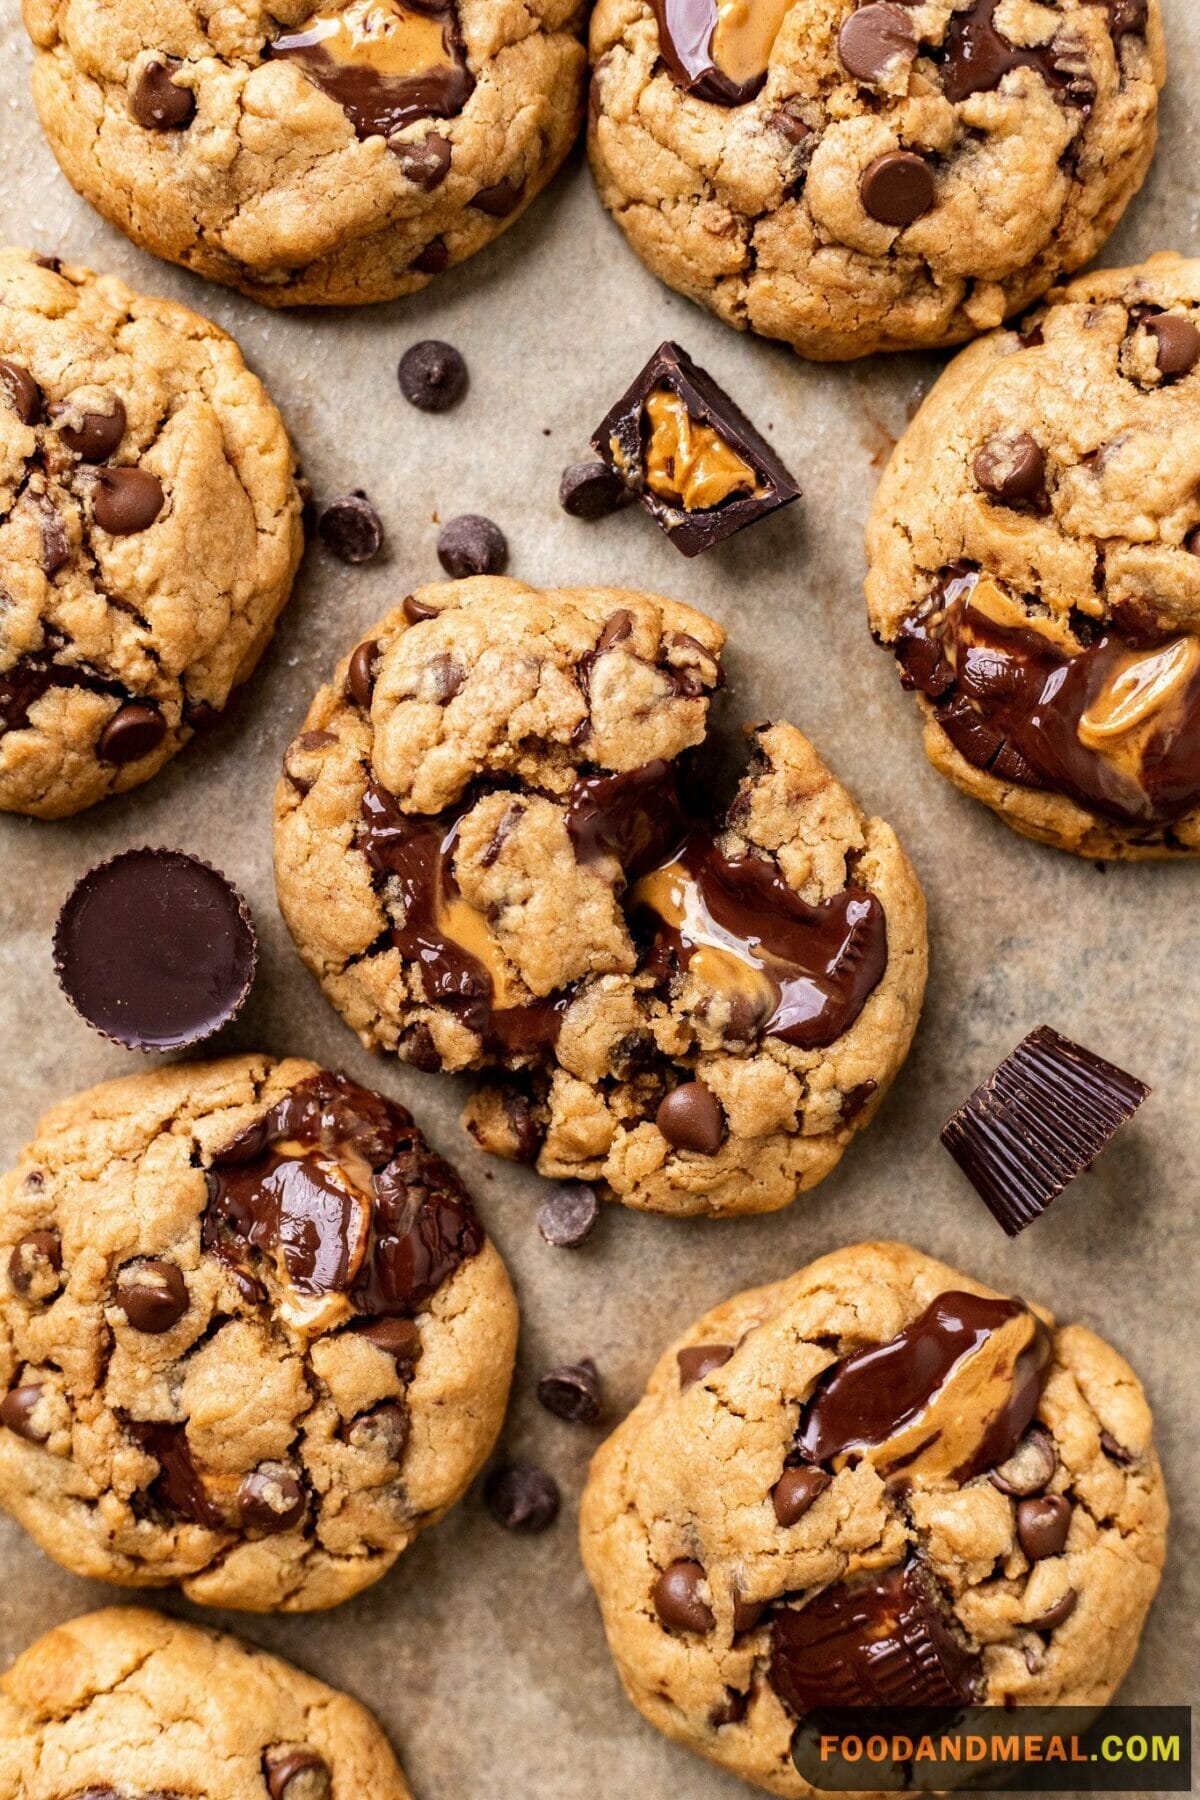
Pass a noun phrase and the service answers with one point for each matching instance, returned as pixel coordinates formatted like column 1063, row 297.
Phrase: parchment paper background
column 483, row 1653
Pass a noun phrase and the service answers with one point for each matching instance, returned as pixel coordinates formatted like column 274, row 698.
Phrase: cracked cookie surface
column 309, row 155
column 252, row 1336
column 1034, row 554
column 488, row 853
column 853, row 179
column 876, row 1438
column 124, row 1702
column 149, row 531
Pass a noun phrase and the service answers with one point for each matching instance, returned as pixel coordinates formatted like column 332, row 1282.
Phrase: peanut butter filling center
column 384, row 35
column 1142, row 692
column 689, row 463
column 744, row 36
column 723, row 962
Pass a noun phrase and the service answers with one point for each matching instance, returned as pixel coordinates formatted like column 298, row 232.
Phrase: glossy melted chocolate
column 976, row 57
column 24, row 684
column 386, row 63
column 718, row 50
column 1114, row 725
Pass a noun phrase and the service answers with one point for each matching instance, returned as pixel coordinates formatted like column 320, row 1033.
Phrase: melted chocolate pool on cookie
column 385, row 62
column 1113, row 724
column 718, row 50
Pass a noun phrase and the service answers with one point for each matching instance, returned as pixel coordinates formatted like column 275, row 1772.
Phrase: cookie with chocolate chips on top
column 131, row 1705
column 874, row 1483
column 1034, row 559
column 872, row 176
column 253, row 1338
column 149, row 531
column 308, row 153
column 489, row 852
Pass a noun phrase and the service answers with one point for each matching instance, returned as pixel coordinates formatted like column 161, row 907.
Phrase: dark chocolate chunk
column 157, row 102
column 716, row 58
column 20, row 390
column 885, row 1639
column 351, row 529
column 591, row 490
column 152, row 1294
column 135, row 730
column 434, row 259
column 1126, row 17
column 155, row 949
column 126, row 501
column 634, row 816
column 35, row 1265
column 690, row 455
column 382, row 1431
column 876, row 41
column 360, row 676
column 898, row 187
column 568, row 1218
column 426, row 164
column 56, row 546
column 97, row 434
column 1042, row 1525
column 976, row 57
column 678, row 1600
column 17, row 1411
column 699, row 1360
column 397, row 1338
column 297, row 1775
column 270, row 1499
column 691, row 1118
column 1039, row 1120
column 1178, row 345
column 1058, row 1614
column 572, row 1392
column 1011, row 469
column 386, row 68
column 795, row 1492
column 433, row 376
column 500, row 199
column 521, row 1498
column 472, row 545
column 1031, row 1466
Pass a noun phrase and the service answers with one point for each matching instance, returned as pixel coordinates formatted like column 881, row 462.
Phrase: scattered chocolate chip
column 1118, row 1452
column 855, row 1100
column 21, row 391
column 677, row 1598
column 1011, row 469
column 1127, row 16
column 397, row 1338
column 876, row 41
column 795, row 1492
column 298, row 1775
column 135, row 730
column 522, row 1498
column 472, row 545
column 690, row 1118
column 433, row 376
column 270, row 1499
column 155, row 949
column 16, row 1414
column 200, row 715
column 126, row 501
column 153, row 1295
column 1039, row 1120
column 360, row 676
column 1191, row 542
column 381, row 1431
column 730, row 1711
column 56, row 546
column 1178, row 345
column 568, row 1217
column 53, row 263
column 898, row 188
column 591, row 490
column 572, row 1392
column 35, row 1265
column 416, row 611
column 699, row 1360
column 96, row 436
column 499, row 200
column 426, row 164
column 1042, row 1525
column 351, row 529
column 747, row 1614
column 434, row 259
column 1056, row 1615
column 1031, row 1466
column 157, row 103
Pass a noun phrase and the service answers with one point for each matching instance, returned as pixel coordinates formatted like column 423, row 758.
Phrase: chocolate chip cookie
column 252, row 1335
column 149, row 531
column 1035, row 566
column 122, row 1702
column 310, row 154
column 866, row 177
column 873, row 1483
column 492, row 851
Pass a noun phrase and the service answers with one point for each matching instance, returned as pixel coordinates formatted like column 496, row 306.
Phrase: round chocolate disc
column 155, row 949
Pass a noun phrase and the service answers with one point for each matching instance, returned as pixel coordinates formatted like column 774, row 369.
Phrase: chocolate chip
column 35, row 1265
column 97, row 435
column 433, row 376
column 1057, row 1614
column 567, row 1219
column 591, row 490
column 21, row 391
column 397, row 1338
column 699, row 1360
column 1191, row 542
column 381, row 1431
column 298, row 1775
column 897, row 188
column 472, row 545
column 730, row 1711
column 416, row 611
column 126, row 501
column 747, row 1614
column 360, row 676
column 157, row 103
column 677, row 1598
column 522, row 1498
column 572, row 1392
column 1178, row 345
column 690, row 1118
column 1042, row 1525
column 16, row 1414
column 795, row 1492
column 1011, row 469
column 875, row 41
column 133, row 731
column 1030, row 1467
column 434, row 259
column 153, row 1295
column 56, row 546
column 1118, row 1452
column 426, row 164
column 499, row 200
column 270, row 1499
column 351, row 529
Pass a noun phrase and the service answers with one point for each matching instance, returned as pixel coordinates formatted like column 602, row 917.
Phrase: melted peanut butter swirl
column 688, row 463
column 386, row 64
